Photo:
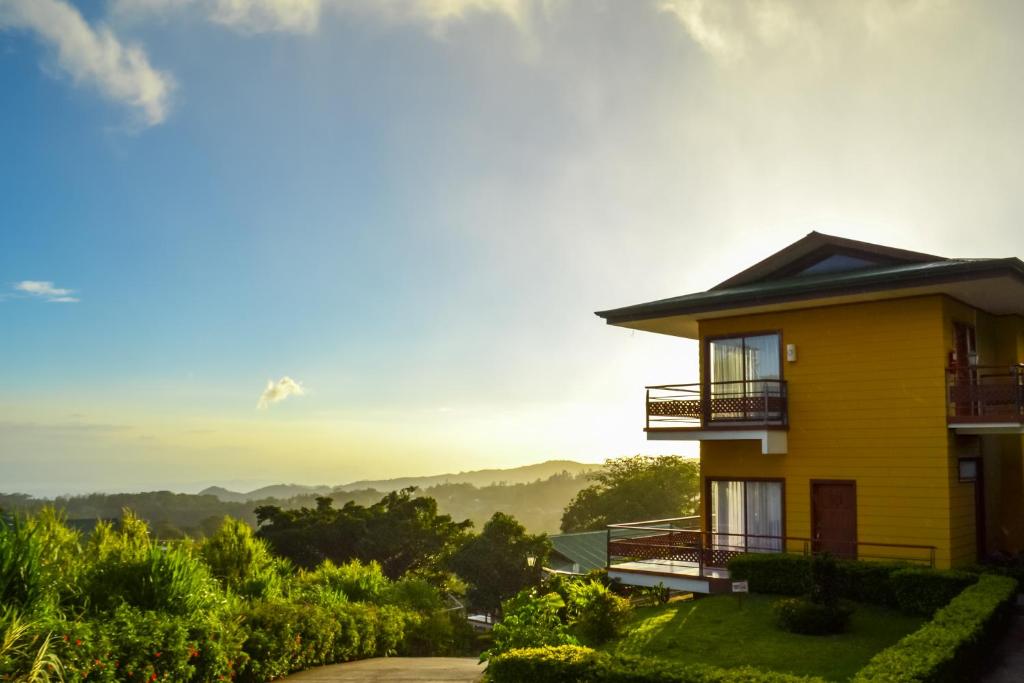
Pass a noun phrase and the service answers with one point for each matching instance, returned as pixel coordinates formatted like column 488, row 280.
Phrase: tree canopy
column 401, row 532
column 494, row 562
column 634, row 489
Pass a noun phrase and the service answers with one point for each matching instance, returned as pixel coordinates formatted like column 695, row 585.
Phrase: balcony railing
column 984, row 394
column 681, row 540
column 748, row 403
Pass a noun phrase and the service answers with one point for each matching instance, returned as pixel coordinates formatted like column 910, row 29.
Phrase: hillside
column 478, row 478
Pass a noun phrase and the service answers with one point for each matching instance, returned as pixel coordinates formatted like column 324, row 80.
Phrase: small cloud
column 44, row 289
column 279, row 391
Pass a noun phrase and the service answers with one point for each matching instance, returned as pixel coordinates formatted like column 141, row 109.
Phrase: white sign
column 740, row 587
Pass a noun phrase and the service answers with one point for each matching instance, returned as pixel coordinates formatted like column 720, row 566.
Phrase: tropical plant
column 25, row 656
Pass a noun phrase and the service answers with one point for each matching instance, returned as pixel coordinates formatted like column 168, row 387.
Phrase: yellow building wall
column 866, row 403
column 1000, row 342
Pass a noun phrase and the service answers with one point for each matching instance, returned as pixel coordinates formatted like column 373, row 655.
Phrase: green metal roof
column 806, row 287
column 589, row 549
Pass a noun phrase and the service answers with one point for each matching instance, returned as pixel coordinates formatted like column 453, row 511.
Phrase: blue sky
column 412, row 207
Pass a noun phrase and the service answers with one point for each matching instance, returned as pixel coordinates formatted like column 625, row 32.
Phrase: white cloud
column 279, row 391
column 93, row 55
column 44, row 289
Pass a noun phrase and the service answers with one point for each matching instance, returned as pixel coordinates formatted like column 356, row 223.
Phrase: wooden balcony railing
column 717, row 404
column 682, row 540
column 983, row 394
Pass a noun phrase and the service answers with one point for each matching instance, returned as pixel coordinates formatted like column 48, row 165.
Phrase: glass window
column 744, row 372
column 746, row 516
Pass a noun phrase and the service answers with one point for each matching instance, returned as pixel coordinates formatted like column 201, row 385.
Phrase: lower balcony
column 678, row 554
column 755, row 410
column 986, row 399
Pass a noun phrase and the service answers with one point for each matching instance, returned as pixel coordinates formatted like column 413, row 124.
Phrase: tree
column 634, row 489
column 494, row 563
column 400, row 532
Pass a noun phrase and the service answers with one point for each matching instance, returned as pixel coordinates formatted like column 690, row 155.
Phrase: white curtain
column 727, row 524
column 764, row 515
column 744, row 360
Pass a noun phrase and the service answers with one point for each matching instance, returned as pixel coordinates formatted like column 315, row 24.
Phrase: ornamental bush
column 597, row 614
column 569, row 664
column 923, row 591
column 775, row 573
column 949, row 646
column 800, row 615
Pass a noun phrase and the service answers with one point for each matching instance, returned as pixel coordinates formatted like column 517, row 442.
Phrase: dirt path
column 398, row 669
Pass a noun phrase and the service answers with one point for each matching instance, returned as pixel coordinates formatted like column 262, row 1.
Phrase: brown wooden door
column 834, row 517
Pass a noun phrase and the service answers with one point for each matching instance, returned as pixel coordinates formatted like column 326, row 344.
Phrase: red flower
column 78, row 642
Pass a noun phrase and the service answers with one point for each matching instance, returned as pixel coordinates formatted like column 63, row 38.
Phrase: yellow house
column 853, row 398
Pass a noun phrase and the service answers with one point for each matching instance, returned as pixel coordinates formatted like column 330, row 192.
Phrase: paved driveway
column 398, row 669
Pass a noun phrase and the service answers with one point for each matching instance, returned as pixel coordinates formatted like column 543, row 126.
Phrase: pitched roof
column 822, row 266
column 588, row 549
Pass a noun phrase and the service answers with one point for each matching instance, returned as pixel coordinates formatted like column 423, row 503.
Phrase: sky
column 314, row 241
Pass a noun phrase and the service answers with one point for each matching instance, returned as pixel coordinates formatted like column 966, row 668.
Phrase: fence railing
column 986, row 393
column 682, row 540
column 749, row 402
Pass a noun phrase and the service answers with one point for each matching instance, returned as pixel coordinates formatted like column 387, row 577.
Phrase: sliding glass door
column 743, row 375
column 746, row 516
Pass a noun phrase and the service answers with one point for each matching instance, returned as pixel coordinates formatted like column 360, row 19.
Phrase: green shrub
column 923, row 591
column 868, row 581
column 949, row 646
column 127, row 644
column 441, row 633
column 357, row 581
column 530, row 620
column 597, row 614
column 22, row 582
column 169, row 579
column 283, row 637
column 242, row 562
column 775, row 573
column 800, row 615
column 569, row 664
column 26, row 655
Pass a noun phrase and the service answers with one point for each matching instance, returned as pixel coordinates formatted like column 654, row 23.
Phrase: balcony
column 676, row 553
column 986, row 399
column 720, row 411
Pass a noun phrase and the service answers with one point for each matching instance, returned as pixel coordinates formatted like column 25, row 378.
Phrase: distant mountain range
column 515, row 475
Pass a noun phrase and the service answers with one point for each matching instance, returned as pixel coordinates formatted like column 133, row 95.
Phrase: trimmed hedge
column 947, row 648
column 924, row 591
column 775, row 573
column 912, row 589
column 571, row 663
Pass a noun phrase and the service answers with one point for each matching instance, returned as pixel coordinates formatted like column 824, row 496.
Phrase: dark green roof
column 588, row 549
column 807, row 287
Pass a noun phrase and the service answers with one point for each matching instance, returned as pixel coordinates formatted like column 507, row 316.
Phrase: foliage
column 800, row 615
column 170, row 579
column 283, row 637
column 598, row 614
column 947, row 648
column 401, row 532
column 242, row 562
column 494, row 562
column 567, row 663
column 743, row 632
column 353, row 580
column 25, row 657
column 440, row 633
column 774, row 573
column 913, row 589
column 633, row 489
column 22, row 583
column 923, row 591
column 530, row 620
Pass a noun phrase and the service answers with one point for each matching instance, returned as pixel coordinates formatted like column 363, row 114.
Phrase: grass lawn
column 714, row 630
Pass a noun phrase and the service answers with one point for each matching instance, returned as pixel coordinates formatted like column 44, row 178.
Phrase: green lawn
column 715, row 630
